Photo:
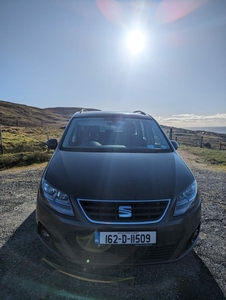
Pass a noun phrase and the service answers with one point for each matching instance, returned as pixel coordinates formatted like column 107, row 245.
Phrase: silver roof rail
column 139, row 112
column 86, row 109
column 82, row 110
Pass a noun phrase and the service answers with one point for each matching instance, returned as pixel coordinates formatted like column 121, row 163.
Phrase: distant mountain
column 12, row 114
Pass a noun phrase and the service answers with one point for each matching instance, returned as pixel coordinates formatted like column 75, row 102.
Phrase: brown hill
column 12, row 114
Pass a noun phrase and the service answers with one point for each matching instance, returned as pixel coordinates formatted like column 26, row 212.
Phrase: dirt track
column 25, row 275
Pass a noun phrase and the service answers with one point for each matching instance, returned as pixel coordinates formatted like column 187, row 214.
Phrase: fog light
column 195, row 235
column 46, row 236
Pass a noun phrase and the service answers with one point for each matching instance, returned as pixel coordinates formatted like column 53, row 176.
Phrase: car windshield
column 124, row 134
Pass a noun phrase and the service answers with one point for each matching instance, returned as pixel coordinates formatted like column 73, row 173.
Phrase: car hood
column 98, row 175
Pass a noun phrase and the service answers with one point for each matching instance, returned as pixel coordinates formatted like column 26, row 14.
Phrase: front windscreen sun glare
column 120, row 134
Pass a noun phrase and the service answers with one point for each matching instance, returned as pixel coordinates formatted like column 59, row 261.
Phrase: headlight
column 186, row 199
column 57, row 199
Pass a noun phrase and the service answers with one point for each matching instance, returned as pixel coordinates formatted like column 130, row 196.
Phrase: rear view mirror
column 175, row 144
column 52, row 143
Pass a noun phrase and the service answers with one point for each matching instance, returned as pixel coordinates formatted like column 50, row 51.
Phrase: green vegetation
column 27, row 139
column 24, row 132
column 210, row 156
column 26, row 145
column 23, row 159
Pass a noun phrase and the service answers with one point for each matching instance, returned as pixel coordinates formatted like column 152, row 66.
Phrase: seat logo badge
column 125, row 211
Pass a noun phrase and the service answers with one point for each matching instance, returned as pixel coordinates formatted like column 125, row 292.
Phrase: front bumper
column 72, row 240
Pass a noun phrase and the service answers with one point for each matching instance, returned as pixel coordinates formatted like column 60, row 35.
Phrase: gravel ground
column 25, row 274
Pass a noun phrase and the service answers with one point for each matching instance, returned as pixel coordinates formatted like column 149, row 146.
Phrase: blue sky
column 74, row 53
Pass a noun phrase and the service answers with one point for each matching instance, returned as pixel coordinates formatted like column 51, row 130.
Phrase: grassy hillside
column 26, row 145
column 12, row 114
column 25, row 130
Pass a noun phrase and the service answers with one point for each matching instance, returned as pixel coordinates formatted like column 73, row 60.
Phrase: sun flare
column 135, row 41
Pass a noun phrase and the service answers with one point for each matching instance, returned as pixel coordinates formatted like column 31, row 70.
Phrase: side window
column 147, row 132
column 159, row 139
column 157, row 142
column 142, row 133
column 71, row 135
column 154, row 136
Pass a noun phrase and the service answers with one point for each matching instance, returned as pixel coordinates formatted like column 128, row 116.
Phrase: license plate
column 133, row 238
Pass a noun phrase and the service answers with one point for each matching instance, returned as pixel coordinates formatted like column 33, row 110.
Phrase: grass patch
column 210, row 156
column 23, row 159
column 26, row 145
column 27, row 139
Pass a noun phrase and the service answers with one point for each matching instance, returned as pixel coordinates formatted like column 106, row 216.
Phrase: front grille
column 139, row 211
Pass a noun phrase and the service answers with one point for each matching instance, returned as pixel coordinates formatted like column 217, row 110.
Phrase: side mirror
column 52, row 143
column 175, row 144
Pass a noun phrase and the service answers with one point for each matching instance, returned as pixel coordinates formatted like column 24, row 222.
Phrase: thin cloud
column 192, row 120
